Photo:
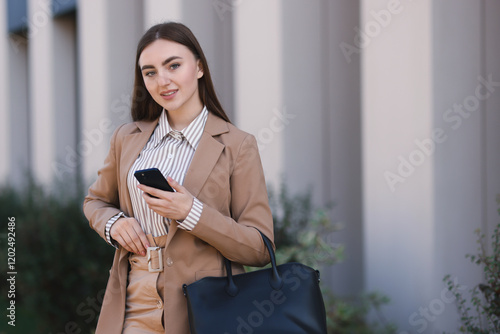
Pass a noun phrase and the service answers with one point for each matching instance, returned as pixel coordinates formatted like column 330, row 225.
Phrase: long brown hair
column 144, row 108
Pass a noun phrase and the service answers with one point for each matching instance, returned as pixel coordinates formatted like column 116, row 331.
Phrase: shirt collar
column 192, row 132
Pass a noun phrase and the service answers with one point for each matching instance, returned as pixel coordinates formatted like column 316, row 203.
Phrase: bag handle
column 275, row 280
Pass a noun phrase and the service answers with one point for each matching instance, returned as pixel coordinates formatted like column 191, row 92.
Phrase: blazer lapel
column 206, row 156
column 131, row 147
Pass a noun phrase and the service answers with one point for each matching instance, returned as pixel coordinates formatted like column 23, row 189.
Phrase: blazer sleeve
column 236, row 237
column 102, row 201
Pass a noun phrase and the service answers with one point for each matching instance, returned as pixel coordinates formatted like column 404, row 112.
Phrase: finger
column 144, row 243
column 126, row 232
column 118, row 233
column 150, row 190
column 133, row 241
column 137, row 237
column 122, row 240
column 122, row 243
column 174, row 184
column 150, row 200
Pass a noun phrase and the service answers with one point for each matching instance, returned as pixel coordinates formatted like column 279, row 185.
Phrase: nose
column 163, row 79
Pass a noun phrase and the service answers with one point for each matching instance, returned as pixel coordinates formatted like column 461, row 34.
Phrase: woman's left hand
column 173, row 205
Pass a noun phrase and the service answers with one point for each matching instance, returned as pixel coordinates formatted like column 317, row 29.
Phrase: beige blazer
column 226, row 175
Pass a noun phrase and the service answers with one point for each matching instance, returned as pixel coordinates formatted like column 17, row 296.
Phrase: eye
column 149, row 73
column 175, row 66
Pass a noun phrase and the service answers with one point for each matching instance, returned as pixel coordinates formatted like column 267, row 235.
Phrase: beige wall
column 341, row 152
column 467, row 169
column 491, row 119
column 4, row 94
column 107, row 56
column 430, row 160
column 397, row 110
column 15, row 144
column 258, row 79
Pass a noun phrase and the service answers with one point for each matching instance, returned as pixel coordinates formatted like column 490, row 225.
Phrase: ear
column 200, row 70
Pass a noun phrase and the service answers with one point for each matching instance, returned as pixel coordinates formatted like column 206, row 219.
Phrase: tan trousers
column 144, row 305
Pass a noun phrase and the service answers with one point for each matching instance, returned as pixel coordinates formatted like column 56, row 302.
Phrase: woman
column 220, row 197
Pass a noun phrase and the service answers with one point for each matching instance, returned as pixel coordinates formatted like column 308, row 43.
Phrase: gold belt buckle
column 160, row 260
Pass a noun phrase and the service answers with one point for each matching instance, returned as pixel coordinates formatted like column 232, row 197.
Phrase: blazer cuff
column 193, row 216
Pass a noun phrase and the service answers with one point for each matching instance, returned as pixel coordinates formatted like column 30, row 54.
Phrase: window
column 63, row 7
column 17, row 16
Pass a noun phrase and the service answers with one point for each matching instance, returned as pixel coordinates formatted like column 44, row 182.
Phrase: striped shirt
column 170, row 151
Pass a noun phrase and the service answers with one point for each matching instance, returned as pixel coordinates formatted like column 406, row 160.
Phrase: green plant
column 484, row 315
column 61, row 263
column 303, row 233
column 349, row 315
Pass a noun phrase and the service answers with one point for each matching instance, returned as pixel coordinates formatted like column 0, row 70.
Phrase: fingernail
column 143, row 253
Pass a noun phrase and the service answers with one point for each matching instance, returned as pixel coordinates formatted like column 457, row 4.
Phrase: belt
column 155, row 257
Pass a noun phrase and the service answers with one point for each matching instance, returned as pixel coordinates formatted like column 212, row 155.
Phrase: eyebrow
column 166, row 61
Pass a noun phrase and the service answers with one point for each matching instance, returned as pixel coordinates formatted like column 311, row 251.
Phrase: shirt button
column 158, row 304
column 170, row 156
column 170, row 262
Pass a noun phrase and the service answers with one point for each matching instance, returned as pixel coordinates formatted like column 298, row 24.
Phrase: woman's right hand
column 129, row 234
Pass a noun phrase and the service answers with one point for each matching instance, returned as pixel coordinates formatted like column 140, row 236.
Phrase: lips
column 169, row 94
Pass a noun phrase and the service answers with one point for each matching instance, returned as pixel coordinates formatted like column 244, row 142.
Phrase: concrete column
column 17, row 108
column 108, row 36
column 491, row 26
column 341, row 153
column 93, row 45
column 4, row 85
column 258, row 80
column 65, row 113
column 123, row 36
column 42, row 89
column 305, row 96
column 395, row 41
column 53, row 76
column 466, row 106
column 159, row 11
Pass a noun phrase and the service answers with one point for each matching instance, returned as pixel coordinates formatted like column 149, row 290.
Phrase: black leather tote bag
column 280, row 299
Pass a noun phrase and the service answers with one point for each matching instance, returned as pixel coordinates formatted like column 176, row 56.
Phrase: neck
column 180, row 120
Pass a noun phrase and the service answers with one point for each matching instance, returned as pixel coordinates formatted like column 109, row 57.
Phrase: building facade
column 388, row 108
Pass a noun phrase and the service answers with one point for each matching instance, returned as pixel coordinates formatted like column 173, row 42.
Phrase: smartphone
column 152, row 177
